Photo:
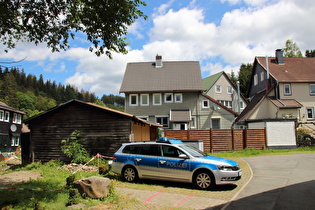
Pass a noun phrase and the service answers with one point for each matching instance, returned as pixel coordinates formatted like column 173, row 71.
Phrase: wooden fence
column 218, row 140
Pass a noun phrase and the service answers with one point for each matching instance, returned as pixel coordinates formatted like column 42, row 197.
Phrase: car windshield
column 192, row 150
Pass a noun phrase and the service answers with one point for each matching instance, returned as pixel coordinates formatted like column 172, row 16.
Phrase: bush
column 304, row 136
column 73, row 148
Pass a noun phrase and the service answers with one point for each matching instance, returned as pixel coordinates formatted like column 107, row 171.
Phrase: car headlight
column 228, row 168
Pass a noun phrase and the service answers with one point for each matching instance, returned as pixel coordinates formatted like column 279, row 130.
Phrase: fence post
column 245, row 138
column 211, row 146
column 232, row 132
column 265, row 133
column 188, row 134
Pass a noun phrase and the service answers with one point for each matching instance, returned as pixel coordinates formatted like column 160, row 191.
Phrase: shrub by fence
column 218, row 140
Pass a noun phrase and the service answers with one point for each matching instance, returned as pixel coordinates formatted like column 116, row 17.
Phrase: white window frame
column 144, row 117
column 163, row 116
column 312, row 90
column 180, row 95
column 229, row 90
column 1, row 115
column 289, row 88
column 6, row 116
column 160, row 99
column 166, row 96
column 207, row 105
column 312, row 113
column 17, row 118
column 142, row 102
column 218, row 89
column 255, row 79
column 130, row 99
column 15, row 140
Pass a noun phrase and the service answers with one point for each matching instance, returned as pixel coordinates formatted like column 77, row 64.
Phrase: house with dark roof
column 171, row 93
column 102, row 128
column 220, row 87
column 10, row 128
column 282, row 90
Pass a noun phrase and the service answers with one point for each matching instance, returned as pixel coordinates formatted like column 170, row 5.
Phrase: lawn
column 54, row 180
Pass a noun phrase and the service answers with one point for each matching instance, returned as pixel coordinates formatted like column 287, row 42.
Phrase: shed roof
column 292, row 70
column 132, row 117
column 285, row 103
column 172, row 76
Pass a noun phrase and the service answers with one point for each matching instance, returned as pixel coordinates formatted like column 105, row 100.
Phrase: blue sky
column 220, row 34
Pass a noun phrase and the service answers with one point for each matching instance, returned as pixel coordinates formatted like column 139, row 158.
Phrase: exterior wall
column 281, row 134
column 224, row 95
column 213, row 112
column 149, row 112
column 261, row 81
column 301, row 93
column 103, row 131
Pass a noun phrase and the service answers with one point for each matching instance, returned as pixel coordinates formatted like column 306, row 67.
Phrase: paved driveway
column 279, row 182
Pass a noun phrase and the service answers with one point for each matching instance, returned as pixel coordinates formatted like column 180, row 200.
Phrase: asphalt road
column 279, row 182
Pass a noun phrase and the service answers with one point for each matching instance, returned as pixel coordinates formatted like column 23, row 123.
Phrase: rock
column 93, row 187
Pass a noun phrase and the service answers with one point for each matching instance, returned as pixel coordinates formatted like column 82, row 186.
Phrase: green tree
column 310, row 53
column 104, row 22
column 291, row 49
column 244, row 77
column 8, row 89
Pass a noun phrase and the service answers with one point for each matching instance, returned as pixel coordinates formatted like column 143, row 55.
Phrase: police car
column 172, row 160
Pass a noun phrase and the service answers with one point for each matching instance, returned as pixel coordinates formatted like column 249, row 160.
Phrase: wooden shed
column 103, row 129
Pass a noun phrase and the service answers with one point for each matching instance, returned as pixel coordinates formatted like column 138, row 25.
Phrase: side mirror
column 184, row 156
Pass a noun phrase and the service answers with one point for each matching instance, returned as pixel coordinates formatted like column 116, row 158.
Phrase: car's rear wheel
column 130, row 174
column 204, row 180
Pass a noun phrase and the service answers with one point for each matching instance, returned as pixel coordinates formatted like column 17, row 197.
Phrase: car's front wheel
column 129, row 174
column 204, row 180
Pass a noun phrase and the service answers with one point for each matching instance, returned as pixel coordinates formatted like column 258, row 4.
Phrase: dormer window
column 158, row 61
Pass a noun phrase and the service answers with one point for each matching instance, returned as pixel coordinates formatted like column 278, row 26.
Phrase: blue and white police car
column 172, row 160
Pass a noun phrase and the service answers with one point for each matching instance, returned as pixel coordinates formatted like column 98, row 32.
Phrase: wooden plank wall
column 218, row 140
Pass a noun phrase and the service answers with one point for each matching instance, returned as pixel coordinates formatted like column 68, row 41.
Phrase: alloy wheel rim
column 203, row 180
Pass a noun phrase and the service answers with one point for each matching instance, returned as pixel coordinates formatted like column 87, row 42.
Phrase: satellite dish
column 13, row 128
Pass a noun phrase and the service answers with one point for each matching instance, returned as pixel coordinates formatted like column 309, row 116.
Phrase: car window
column 193, row 151
column 150, row 149
column 170, row 151
column 131, row 149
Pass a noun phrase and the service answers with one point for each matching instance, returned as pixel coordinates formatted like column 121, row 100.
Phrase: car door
column 147, row 160
column 171, row 166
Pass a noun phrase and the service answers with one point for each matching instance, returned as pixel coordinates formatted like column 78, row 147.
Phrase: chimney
column 158, row 61
column 279, row 56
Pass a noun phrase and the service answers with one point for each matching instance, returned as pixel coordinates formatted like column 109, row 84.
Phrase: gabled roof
column 174, row 76
column 75, row 101
column 219, row 104
column 208, row 82
column 292, row 70
column 251, row 107
column 4, row 106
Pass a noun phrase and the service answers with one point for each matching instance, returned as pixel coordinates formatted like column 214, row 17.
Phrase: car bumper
column 227, row 177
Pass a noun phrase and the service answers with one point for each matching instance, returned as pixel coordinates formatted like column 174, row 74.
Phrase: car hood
column 217, row 160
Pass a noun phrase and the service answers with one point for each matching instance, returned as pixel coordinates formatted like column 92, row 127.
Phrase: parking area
column 171, row 195
column 277, row 182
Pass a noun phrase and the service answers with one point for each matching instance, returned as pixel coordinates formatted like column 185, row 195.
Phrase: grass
column 264, row 152
column 54, row 179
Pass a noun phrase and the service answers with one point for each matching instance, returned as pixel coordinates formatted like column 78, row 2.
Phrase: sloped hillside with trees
column 33, row 95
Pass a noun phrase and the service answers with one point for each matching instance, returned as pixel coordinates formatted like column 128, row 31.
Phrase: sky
column 220, row 34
